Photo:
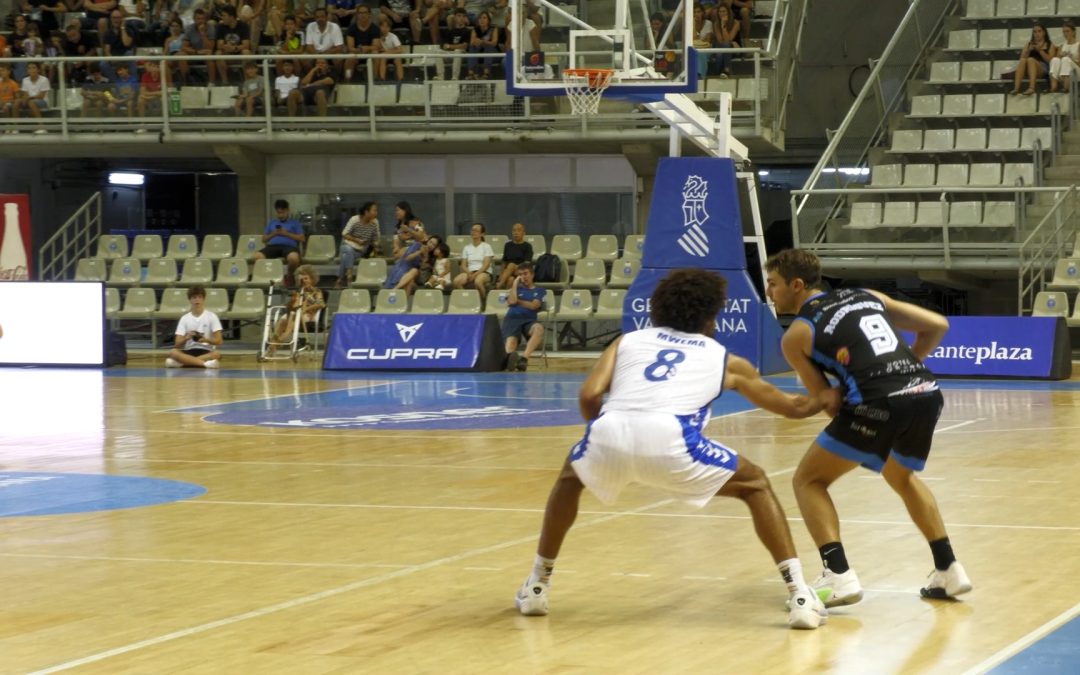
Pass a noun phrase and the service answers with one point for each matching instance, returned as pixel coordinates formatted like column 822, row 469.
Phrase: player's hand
column 831, row 401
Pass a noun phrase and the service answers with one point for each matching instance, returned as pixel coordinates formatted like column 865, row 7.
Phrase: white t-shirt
column 667, row 371
column 526, row 36
column 32, row 88
column 206, row 323
column 283, row 85
column 390, row 41
column 323, row 41
column 474, row 255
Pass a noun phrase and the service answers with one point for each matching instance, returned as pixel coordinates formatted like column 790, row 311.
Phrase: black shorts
column 279, row 251
column 517, row 326
column 901, row 426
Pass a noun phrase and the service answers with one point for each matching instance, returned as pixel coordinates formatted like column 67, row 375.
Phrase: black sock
column 832, row 556
column 943, row 553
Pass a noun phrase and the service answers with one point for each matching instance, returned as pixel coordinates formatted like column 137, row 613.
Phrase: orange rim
column 597, row 77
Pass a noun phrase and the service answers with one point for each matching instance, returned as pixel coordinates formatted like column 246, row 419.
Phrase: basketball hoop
column 585, row 87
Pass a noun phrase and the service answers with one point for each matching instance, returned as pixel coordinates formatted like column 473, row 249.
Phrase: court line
column 1019, row 645
column 258, row 563
column 960, row 424
column 507, row 509
column 348, row 387
column 322, row 595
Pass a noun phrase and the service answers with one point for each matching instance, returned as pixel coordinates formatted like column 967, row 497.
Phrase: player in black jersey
column 884, row 410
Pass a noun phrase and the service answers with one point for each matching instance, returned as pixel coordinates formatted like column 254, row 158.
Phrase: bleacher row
column 1055, row 301
column 1023, row 9
column 153, row 264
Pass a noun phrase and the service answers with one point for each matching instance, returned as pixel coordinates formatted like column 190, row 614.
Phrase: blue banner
column 404, row 341
column 694, row 222
column 999, row 346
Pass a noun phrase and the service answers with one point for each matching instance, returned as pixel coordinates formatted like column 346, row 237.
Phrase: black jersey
column 854, row 340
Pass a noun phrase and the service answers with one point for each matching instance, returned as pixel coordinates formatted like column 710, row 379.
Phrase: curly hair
column 687, row 300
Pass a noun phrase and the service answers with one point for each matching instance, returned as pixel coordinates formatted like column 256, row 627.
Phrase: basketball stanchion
column 585, row 87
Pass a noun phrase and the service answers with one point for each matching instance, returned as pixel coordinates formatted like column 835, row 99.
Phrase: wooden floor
column 388, row 550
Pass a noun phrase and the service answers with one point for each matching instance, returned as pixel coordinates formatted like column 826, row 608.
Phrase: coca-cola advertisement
column 15, row 238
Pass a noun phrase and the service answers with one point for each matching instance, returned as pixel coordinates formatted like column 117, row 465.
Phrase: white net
column 585, row 87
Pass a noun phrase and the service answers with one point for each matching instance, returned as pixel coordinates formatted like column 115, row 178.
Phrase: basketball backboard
column 648, row 53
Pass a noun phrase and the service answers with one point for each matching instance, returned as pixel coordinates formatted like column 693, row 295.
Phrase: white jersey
column 668, row 371
column 650, row 430
column 206, row 323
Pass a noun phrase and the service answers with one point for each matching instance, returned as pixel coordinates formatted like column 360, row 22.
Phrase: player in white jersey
column 661, row 383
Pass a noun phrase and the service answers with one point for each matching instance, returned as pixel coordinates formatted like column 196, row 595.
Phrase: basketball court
column 282, row 520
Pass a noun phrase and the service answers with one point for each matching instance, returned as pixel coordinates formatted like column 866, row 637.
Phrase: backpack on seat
column 547, row 268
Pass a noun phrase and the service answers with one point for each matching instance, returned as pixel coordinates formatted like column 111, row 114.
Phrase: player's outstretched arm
column 741, row 376
column 591, row 396
column 929, row 326
column 796, row 345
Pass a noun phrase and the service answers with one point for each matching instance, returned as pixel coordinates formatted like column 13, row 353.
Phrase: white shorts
column 655, row 449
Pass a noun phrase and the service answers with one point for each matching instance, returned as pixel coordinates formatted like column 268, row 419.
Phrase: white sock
column 791, row 572
column 542, row 569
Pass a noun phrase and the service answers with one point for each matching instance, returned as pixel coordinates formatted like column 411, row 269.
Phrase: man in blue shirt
column 283, row 236
column 525, row 301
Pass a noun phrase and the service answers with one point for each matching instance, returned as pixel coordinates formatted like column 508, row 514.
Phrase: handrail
column 73, row 240
column 1040, row 250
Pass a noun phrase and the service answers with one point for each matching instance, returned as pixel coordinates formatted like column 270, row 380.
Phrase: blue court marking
column 426, row 401
column 1055, row 654
column 44, row 494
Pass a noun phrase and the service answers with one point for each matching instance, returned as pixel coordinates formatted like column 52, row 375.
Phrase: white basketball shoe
column 948, row 584
column 532, row 599
column 807, row 612
column 838, row 589
column 172, row 363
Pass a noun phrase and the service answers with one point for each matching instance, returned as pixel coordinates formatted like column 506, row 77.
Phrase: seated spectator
column 457, row 40
column 342, row 12
column 324, row 37
column 725, row 35
column 703, row 38
column 134, row 13
column 198, row 40
column 307, row 301
column 283, row 236
column 31, row 45
column 9, row 92
column 405, row 272
column 429, row 13
column 476, row 259
column 276, row 11
column 149, row 88
column 522, row 318
column 1063, row 66
column 35, row 87
column 75, row 43
column 515, row 252
column 251, row 13
column 96, row 92
column 16, row 44
column 161, row 15
column 1034, row 60
column 174, row 44
column 233, row 39
column 251, row 91
column 292, row 42
column 185, row 11
column 362, row 37
column 119, row 39
column 315, row 89
column 125, row 91
column 743, row 10
column 390, row 45
column 285, row 83
column 440, row 270
column 400, row 15
column 197, row 334
column 427, row 258
column 45, row 13
column 358, row 240
column 404, row 219
column 484, row 40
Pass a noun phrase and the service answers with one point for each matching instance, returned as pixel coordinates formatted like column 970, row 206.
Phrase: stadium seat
column 926, row 106
column 952, row 174
column 918, row 175
column 111, row 246
column 457, row 244
column 1048, row 101
column 248, row 245
column 945, row 71
column 939, row 140
column 231, row 272
column 957, row 105
column 963, row 39
column 464, row 301
column 886, row 175
column 907, row 140
column 125, row 272
column 970, row 139
column 497, row 242
column 267, row 272
column 985, row 174
column 91, row 269
column 391, row 302
column 1016, row 173
column 217, row 301
column 319, row 249
column 589, row 273
column 1021, row 105
column 931, row 214
column 975, row 71
column 1010, row 8
column 370, row 274
column 1051, row 304
column 898, row 214
column 865, row 215
column 1029, row 135
column 965, row 214
column 1066, row 275
column 174, row 304
column 181, row 247
column 354, row 301
column 989, row 104
column 1068, row 7
column 249, row 304
column 980, row 8
column 1041, row 8
column 216, row 247
column 496, row 303
column 567, row 247
column 147, row 246
column 623, row 272
column 603, row 247
column 993, row 38
column 197, row 271
column 350, row 95
column 574, row 306
column 538, row 243
column 112, row 302
column 194, row 98
column 609, row 304
column 1004, row 139
column 160, row 272
column 427, row 301
column 139, row 303
column 1018, row 37
column 999, row 214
